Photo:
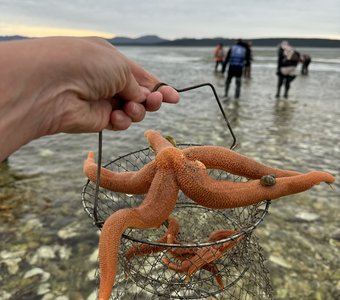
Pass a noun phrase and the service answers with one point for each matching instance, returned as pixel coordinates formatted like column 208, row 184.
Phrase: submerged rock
column 72, row 230
column 11, row 260
column 279, row 260
column 38, row 271
column 305, row 216
column 44, row 288
column 42, row 253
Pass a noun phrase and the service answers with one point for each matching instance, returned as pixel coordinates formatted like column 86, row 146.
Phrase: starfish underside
column 186, row 170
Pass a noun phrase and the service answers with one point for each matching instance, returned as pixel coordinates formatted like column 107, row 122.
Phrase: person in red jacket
column 219, row 55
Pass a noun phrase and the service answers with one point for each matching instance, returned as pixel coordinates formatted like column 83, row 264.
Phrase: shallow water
column 44, row 227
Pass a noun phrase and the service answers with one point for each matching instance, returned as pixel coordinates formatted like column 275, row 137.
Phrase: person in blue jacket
column 237, row 57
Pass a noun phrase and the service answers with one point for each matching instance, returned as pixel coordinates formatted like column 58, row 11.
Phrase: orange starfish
column 175, row 169
column 184, row 257
column 137, row 249
column 193, row 259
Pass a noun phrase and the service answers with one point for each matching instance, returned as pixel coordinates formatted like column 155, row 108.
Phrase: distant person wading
column 219, row 56
column 288, row 59
column 237, row 56
column 305, row 61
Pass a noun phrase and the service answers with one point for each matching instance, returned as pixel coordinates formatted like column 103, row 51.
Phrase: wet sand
column 49, row 245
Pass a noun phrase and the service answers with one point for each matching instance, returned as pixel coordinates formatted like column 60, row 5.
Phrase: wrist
column 22, row 113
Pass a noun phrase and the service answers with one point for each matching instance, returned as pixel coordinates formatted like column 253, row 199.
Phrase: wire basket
column 148, row 271
column 211, row 254
column 252, row 284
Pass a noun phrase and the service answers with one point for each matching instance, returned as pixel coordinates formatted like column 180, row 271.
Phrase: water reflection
column 278, row 132
column 282, row 122
column 232, row 109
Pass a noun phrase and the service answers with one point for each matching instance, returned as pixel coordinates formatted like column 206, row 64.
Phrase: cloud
column 41, row 31
column 178, row 18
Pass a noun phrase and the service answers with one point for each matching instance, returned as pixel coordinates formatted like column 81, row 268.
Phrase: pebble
column 48, row 296
column 33, row 224
column 4, row 295
column 307, row 216
column 278, row 260
column 43, row 289
column 64, row 252
column 336, row 235
column 46, row 152
column 94, row 256
column 38, row 271
column 44, row 252
column 91, row 275
column 11, row 260
column 92, row 296
column 63, row 297
column 70, row 231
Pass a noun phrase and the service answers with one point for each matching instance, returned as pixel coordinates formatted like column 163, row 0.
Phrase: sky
column 172, row 19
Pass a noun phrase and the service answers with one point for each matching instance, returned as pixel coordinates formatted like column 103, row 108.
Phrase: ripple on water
column 300, row 133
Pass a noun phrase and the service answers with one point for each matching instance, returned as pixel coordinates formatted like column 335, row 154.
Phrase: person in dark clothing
column 288, row 59
column 247, row 66
column 237, row 56
column 305, row 60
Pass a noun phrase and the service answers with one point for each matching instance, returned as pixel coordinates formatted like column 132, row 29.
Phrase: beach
column 49, row 244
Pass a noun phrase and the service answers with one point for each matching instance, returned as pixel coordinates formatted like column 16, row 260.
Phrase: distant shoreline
column 151, row 40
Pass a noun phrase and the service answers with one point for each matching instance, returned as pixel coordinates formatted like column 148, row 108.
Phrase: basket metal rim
column 230, row 284
column 243, row 231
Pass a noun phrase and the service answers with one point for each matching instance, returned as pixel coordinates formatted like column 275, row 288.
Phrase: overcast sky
column 172, row 19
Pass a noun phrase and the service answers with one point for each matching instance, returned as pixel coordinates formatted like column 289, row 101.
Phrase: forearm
column 22, row 115
column 73, row 85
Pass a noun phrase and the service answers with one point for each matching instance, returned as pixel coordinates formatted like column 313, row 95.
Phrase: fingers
column 133, row 91
column 170, row 95
column 134, row 97
column 139, row 85
column 125, row 113
column 153, row 101
column 135, row 111
column 145, row 79
column 119, row 120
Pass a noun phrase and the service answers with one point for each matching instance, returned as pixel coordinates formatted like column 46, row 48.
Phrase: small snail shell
column 268, row 180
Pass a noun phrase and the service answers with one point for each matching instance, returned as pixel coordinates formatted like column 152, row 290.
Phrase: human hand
column 72, row 85
column 110, row 91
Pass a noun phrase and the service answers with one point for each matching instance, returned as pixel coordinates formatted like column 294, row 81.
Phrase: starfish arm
column 220, row 158
column 155, row 209
column 184, row 255
column 109, row 243
column 209, row 254
column 195, row 182
column 134, row 182
column 185, row 265
column 212, row 268
column 143, row 249
column 221, row 234
column 157, row 141
column 180, row 268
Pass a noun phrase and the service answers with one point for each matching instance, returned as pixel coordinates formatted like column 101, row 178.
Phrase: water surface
column 44, row 228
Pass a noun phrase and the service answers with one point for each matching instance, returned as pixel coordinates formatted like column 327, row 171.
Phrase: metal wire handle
column 100, row 140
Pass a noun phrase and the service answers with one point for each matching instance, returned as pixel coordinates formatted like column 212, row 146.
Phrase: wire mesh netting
column 198, row 253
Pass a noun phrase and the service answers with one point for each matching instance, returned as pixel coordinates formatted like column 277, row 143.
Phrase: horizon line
column 180, row 38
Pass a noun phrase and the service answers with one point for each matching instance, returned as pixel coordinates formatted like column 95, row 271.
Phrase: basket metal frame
column 245, row 231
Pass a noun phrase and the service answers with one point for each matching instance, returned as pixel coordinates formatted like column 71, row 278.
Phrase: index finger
column 146, row 79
